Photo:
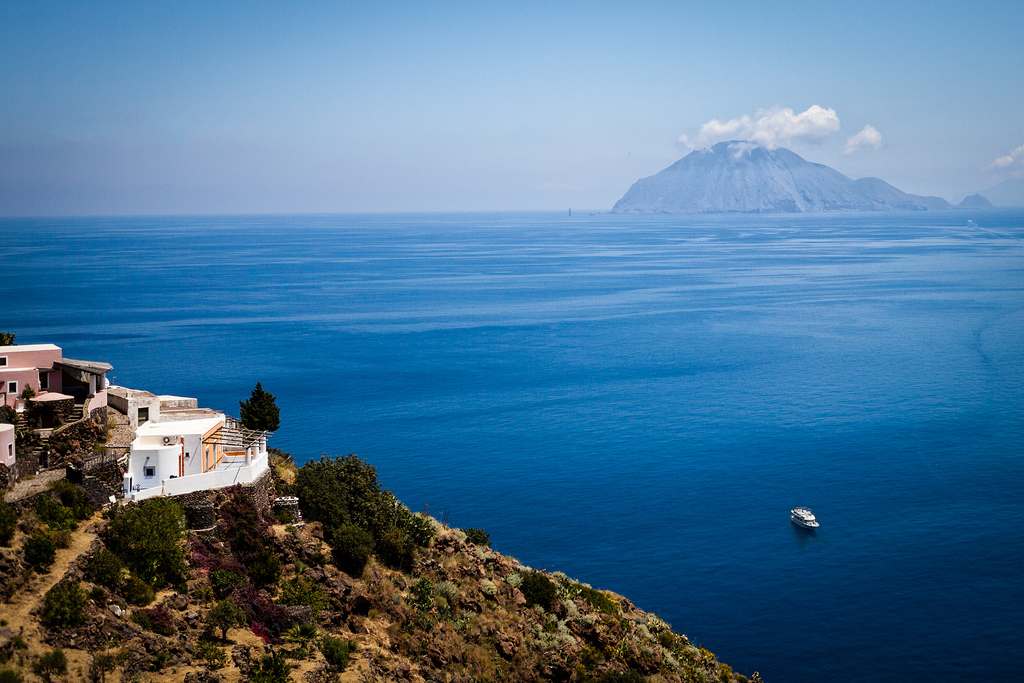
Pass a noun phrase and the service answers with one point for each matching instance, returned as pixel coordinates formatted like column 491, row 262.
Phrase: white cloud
column 771, row 128
column 868, row 138
column 1013, row 160
column 738, row 149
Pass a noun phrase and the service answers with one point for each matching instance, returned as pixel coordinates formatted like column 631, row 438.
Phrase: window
column 150, row 471
column 44, row 380
column 10, row 451
column 143, row 415
column 3, row 361
column 12, row 387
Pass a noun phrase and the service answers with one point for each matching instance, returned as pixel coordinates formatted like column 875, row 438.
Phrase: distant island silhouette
column 740, row 177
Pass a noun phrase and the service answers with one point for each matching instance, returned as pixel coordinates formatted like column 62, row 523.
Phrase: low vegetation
column 364, row 585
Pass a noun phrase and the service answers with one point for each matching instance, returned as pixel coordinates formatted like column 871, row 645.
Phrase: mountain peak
column 742, row 177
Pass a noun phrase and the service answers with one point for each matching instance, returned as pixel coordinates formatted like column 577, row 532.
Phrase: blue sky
column 157, row 108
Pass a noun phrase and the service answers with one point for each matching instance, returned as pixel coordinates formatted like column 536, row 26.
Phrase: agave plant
column 302, row 635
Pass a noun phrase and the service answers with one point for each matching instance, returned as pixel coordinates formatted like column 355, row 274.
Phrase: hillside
column 363, row 590
column 741, row 177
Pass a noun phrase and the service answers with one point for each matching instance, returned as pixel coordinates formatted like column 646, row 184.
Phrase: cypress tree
column 260, row 412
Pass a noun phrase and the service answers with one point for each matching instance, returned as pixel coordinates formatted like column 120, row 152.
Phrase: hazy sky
column 207, row 107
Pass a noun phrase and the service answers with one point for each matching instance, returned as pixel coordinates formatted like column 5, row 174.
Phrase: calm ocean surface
column 637, row 401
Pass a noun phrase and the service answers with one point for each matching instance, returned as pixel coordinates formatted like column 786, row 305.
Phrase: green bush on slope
column 358, row 516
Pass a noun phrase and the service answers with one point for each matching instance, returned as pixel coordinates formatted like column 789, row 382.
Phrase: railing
column 217, row 479
column 100, row 460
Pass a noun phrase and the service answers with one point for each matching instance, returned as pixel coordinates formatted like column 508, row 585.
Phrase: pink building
column 7, row 445
column 43, row 368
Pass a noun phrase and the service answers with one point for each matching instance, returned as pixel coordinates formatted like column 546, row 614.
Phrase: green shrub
column 618, row 677
column 265, row 570
column 160, row 660
column 343, row 491
column 98, row 594
column 65, row 605
column 598, row 600
column 351, row 548
column 283, row 516
column 420, row 530
column 272, row 668
column 40, row 550
column 538, row 589
column 223, row 582
column 478, row 536
column 55, row 515
column 213, row 655
column 49, row 664
column 336, row 651
column 11, row 676
column 61, row 538
column 395, row 549
column 423, row 594
column 8, row 522
column 105, row 568
column 148, row 538
column 73, row 498
column 137, row 592
column 302, row 591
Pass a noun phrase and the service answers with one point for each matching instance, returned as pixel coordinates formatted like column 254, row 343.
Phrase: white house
column 172, row 458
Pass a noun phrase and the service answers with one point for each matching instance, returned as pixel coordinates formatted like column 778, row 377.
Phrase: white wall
column 201, row 482
column 163, row 458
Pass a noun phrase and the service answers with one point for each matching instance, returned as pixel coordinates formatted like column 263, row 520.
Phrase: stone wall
column 50, row 413
column 79, row 429
column 262, row 492
column 201, row 506
column 111, row 473
column 98, row 491
column 8, row 476
column 201, row 516
column 27, row 462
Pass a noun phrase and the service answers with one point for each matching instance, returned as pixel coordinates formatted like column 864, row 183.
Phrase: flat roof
column 50, row 396
column 29, row 347
column 179, row 427
column 91, row 366
column 125, row 392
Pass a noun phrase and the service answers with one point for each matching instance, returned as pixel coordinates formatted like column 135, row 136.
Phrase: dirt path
column 18, row 612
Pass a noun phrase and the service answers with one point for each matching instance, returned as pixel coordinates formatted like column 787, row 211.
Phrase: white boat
column 803, row 517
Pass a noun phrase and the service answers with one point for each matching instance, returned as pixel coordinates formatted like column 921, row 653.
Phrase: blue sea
column 637, row 401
